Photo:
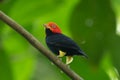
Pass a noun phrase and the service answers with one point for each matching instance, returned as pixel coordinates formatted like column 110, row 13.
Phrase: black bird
column 60, row 44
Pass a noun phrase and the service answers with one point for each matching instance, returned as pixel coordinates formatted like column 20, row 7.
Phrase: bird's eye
column 53, row 26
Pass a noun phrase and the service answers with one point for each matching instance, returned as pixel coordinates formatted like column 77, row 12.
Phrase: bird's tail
column 83, row 54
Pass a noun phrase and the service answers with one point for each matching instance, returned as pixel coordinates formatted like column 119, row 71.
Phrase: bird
column 60, row 44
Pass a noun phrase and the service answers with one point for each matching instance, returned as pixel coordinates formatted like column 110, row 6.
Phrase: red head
column 53, row 27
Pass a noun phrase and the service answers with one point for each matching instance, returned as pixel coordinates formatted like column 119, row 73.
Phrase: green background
column 93, row 24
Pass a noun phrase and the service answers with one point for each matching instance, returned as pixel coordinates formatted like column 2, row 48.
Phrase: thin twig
column 34, row 42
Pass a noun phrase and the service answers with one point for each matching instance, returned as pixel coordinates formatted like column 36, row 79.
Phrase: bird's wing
column 62, row 41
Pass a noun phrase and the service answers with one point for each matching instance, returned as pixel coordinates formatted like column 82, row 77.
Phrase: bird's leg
column 61, row 54
column 69, row 59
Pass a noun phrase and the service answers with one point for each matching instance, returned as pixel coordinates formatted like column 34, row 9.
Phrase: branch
column 34, row 42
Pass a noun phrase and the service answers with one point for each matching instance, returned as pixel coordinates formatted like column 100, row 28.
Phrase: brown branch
column 34, row 42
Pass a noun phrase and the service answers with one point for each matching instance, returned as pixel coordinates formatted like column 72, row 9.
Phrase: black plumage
column 58, row 41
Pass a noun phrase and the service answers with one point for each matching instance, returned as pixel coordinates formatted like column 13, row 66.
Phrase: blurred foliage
column 92, row 24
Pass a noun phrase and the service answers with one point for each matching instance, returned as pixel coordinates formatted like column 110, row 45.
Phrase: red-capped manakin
column 60, row 44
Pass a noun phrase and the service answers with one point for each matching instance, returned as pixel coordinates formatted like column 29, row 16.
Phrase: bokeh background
column 93, row 24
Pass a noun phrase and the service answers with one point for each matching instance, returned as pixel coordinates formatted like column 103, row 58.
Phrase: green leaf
column 92, row 23
column 5, row 64
column 93, row 27
column 5, row 67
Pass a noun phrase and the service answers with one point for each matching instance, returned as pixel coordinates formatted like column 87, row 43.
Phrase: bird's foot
column 61, row 54
column 69, row 59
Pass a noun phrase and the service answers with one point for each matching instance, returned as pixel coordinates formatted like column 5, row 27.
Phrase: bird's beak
column 46, row 26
